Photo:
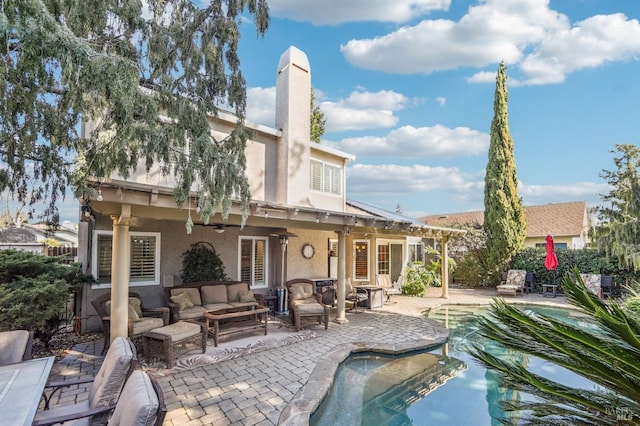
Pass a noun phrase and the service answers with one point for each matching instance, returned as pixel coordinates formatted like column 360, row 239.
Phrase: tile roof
column 562, row 219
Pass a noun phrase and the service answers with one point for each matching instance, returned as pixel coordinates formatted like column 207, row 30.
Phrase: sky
column 407, row 86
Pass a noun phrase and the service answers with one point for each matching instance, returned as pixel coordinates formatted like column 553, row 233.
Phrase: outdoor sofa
column 193, row 300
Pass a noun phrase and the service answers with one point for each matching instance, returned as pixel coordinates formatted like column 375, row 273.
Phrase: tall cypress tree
column 504, row 220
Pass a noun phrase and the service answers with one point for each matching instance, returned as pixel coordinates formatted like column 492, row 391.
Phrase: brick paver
column 254, row 389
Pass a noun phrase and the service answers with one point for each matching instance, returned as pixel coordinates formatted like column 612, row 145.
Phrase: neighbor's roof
column 562, row 219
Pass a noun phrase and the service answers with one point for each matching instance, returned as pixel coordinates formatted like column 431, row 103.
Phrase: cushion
column 214, row 294
column 112, row 374
column 233, row 289
column 133, row 314
column 179, row 331
column 183, row 300
column 146, row 324
column 245, row 296
column 136, row 304
column 192, row 313
column 194, row 294
column 310, row 309
column 301, row 290
column 138, row 404
column 217, row 306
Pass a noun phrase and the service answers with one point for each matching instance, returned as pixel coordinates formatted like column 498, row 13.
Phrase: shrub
column 202, row 263
column 34, row 290
column 417, row 278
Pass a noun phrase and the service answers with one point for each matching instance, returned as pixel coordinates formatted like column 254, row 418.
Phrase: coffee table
column 237, row 321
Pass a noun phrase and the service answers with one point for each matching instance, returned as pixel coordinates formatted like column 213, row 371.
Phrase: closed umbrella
column 551, row 261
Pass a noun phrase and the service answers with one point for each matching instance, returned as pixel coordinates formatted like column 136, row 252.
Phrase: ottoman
column 175, row 339
column 310, row 310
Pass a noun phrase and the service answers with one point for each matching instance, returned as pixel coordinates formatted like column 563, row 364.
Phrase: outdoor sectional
column 192, row 300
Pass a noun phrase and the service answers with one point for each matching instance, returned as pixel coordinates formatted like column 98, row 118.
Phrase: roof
column 561, row 219
column 372, row 210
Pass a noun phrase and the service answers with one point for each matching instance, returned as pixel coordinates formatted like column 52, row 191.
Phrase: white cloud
column 398, row 179
column 334, row 12
column 527, row 33
column 261, row 105
column 441, row 100
column 560, row 193
column 363, row 110
column 412, row 142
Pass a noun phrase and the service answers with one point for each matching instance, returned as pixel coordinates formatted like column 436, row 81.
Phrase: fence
column 70, row 253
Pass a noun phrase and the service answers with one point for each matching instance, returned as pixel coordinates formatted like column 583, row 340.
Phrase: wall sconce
column 99, row 197
column 266, row 214
column 87, row 214
column 219, row 229
column 317, row 219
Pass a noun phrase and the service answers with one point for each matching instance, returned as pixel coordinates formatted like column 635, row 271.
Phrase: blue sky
column 407, row 86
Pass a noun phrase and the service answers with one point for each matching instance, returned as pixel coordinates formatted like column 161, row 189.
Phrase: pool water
column 443, row 387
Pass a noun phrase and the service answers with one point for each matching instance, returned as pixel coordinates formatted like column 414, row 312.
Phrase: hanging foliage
column 144, row 77
column 201, row 263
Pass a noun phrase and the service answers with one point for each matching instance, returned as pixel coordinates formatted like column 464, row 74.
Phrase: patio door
column 390, row 259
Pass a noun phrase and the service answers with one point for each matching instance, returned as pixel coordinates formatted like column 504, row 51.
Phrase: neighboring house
column 567, row 223
column 134, row 233
column 38, row 238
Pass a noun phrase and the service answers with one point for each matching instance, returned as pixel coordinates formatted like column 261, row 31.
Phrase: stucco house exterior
column 568, row 223
column 133, row 235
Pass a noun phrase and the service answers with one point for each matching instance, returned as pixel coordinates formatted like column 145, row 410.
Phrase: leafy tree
column 505, row 222
column 146, row 75
column 201, row 263
column 318, row 119
column 607, row 352
column 34, row 290
column 619, row 232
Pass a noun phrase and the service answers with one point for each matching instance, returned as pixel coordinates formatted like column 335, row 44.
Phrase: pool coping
column 311, row 394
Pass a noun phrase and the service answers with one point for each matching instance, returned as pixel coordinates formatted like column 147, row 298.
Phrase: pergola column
column 120, row 267
column 342, row 277
column 444, row 267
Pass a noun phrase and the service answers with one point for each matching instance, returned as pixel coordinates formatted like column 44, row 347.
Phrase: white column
column 120, row 266
column 444, row 267
column 342, row 277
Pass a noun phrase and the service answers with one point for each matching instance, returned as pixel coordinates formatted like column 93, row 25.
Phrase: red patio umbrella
column 551, row 261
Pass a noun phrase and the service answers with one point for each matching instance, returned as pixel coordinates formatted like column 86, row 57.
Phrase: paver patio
column 255, row 388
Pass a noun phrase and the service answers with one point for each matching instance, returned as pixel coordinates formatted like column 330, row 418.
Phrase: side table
column 549, row 290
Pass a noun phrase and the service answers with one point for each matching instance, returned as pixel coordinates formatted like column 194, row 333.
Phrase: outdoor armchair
column 384, row 281
column 141, row 403
column 304, row 302
column 354, row 296
column 105, row 388
column 514, row 282
column 15, row 346
column 140, row 319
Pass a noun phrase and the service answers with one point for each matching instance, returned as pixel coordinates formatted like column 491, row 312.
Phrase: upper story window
column 253, row 261
column 326, row 177
column 144, row 258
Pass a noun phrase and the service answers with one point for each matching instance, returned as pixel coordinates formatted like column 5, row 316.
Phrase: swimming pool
column 442, row 387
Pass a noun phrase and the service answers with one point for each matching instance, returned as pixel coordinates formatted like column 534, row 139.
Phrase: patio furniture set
column 520, row 281
column 118, row 394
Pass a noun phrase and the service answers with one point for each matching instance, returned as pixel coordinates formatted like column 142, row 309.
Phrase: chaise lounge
column 514, row 282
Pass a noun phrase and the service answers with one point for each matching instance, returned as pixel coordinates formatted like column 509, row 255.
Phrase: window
column 144, row 258
column 416, row 252
column 361, row 263
column 326, row 178
column 253, row 261
column 383, row 259
column 555, row 245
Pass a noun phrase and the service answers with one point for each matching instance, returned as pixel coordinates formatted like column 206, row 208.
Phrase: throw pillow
column 133, row 314
column 246, row 296
column 183, row 300
column 135, row 303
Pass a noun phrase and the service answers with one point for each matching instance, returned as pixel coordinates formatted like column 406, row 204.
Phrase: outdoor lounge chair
column 304, row 302
column 15, row 346
column 105, row 388
column 141, row 403
column 141, row 319
column 514, row 282
column 384, row 281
